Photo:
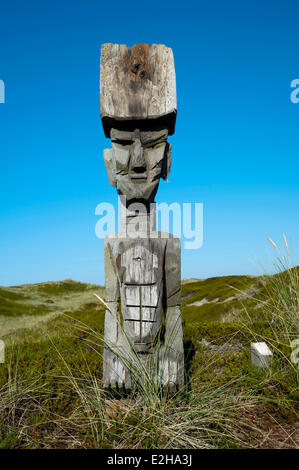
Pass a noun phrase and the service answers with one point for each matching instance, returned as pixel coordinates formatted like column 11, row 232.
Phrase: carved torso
column 141, row 295
column 139, row 266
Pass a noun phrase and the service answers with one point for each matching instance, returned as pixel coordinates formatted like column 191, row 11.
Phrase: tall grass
column 282, row 289
column 206, row 413
column 19, row 400
column 279, row 309
column 201, row 415
column 210, row 417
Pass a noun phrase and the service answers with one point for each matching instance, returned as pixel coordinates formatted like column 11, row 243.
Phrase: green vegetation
column 219, row 298
column 50, row 385
column 33, row 310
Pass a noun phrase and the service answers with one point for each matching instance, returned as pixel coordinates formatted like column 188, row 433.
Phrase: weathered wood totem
column 142, row 265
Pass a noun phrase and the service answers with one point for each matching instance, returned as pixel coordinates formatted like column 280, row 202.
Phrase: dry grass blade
column 286, row 244
column 272, row 243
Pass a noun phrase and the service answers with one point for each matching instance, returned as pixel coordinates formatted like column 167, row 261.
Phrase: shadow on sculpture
column 143, row 327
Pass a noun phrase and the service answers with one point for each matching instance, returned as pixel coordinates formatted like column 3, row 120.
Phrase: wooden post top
column 137, row 87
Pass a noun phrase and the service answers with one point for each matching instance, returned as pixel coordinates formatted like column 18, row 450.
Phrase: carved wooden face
column 137, row 161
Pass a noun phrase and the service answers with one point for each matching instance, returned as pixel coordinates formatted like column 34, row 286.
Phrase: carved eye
column 123, row 142
column 150, row 145
column 156, row 146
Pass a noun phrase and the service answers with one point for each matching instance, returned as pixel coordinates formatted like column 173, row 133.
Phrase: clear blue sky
column 235, row 148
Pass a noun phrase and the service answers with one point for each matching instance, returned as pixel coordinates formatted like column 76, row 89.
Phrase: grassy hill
column 50, row 385
column 32, row 306
column 31, row 309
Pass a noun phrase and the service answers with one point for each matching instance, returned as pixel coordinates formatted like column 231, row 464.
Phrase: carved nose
column 138, row 163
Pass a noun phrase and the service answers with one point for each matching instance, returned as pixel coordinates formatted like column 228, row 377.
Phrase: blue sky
column 235, row 148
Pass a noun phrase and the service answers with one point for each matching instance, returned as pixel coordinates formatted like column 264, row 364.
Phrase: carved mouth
column 138, row 178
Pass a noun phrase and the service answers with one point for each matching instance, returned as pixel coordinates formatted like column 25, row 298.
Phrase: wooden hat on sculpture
column 137, row 84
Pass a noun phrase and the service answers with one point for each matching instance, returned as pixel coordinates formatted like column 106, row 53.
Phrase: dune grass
column 51, row 390
column 71, row 408
column 279, row 303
